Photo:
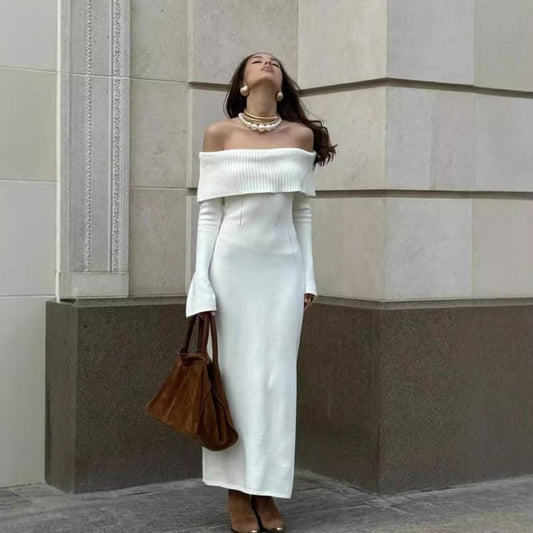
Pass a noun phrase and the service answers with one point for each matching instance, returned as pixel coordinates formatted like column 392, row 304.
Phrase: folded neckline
column 313, row 153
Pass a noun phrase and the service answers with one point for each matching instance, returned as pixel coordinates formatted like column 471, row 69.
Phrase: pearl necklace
column 261, row 127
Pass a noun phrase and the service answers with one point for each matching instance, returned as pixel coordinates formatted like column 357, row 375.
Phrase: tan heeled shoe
column 268, row 515
column 242, row 516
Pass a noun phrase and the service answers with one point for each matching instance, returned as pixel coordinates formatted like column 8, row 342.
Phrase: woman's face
column 263, row 67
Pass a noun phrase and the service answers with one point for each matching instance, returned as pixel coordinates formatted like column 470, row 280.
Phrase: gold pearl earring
column 279, row 96
column 245, row 91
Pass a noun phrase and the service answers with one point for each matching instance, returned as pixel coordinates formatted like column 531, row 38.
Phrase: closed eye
column 273, row 64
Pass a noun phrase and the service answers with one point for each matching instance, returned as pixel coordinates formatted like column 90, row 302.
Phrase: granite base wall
column 391, row 398
column 394, row 399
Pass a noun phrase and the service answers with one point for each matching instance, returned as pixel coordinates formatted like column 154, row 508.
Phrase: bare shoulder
column 303, row 135
column 215, row 135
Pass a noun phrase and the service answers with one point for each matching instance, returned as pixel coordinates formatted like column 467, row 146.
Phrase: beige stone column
column 93, row 148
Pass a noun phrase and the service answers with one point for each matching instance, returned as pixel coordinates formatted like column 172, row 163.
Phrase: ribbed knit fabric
column 250, row 170
column 254, row 263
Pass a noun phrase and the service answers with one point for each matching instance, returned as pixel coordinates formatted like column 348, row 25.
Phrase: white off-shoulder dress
column 254, row 263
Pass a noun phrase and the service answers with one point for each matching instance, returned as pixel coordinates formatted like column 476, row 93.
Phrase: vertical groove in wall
column 432, row 158
column 116, row 131
column 87, row 185
column 474, row 148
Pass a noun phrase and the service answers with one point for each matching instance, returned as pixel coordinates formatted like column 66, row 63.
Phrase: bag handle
column 214, row 339
column 204, row 326
column 201, row 343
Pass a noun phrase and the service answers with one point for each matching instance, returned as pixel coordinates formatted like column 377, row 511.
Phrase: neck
column 261, row 102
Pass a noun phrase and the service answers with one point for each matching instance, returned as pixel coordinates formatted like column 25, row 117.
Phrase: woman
column 254, row 267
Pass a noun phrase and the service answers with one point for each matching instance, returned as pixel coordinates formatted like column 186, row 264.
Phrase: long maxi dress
column 254, row 263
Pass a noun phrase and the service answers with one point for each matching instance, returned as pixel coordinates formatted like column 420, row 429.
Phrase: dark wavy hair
column 290, row 108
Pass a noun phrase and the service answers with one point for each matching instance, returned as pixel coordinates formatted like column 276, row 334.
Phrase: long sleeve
column 302, row 218
column 201, row 296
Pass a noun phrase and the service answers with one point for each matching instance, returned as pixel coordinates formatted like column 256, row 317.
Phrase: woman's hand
column 308, row 300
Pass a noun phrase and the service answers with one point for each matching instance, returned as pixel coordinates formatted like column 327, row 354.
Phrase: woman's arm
column 201, row 296
column 302, row 218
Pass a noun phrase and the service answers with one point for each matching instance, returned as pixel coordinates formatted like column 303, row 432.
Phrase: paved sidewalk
column 319, row 504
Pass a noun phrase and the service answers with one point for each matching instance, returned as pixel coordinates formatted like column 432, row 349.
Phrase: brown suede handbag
column 192, row 399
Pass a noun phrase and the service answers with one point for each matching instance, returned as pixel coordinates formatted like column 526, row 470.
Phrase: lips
column 268, row 68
